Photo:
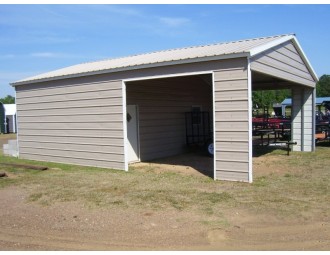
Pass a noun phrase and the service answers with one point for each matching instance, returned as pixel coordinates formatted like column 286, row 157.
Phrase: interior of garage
column 166, row 125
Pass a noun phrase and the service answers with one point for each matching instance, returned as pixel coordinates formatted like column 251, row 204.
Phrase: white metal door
column 132, row 134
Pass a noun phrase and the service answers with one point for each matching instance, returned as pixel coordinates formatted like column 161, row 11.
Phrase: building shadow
column 190, row 163
column 259, row 151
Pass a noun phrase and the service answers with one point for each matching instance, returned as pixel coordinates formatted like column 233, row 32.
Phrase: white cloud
column 51, row 55
column 122, row 10
column 174, row 22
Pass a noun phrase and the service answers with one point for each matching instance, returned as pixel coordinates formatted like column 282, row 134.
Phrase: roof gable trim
column 305, row 59
column 267, row 46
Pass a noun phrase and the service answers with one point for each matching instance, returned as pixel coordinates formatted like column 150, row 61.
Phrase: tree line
column 8, row 100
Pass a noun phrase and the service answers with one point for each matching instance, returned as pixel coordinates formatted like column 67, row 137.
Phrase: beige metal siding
column 284, row 62
column 231, row 121
column 162, row 104
column 302, row 119
column 73, row 122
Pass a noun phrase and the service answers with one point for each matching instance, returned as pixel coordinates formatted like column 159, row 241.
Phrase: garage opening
column 162, row 130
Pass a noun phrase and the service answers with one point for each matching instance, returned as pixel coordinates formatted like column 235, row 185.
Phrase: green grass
column 302, row 191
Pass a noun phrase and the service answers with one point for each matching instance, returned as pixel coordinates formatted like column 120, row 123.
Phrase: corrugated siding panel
column 233, row 146
column 162, row 104
column 74, row 161
column 64, row 140
column 72, row 123
column 296, row 118
column 231, row 123
column 308, row 119
column 232, row 176
column 91, row 102
column 302, row 123
column 284, row 62
column 68, row 88
column 85, row 111
column 78, row 116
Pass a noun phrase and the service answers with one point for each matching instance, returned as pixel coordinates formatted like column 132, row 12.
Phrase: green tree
column 323, row 86
column 8, row 100
column 266, row 98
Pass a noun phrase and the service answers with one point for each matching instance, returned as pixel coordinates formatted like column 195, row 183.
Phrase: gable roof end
column 294, row 40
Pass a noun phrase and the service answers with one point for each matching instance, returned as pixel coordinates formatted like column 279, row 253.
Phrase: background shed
column 10, row 118
column 2, row 119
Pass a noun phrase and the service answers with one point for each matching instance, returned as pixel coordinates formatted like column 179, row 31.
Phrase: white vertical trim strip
column 250, row 120
column 302, row 120
column 313, row 119
column 214, row 140
column 17, row 140
column 138, row 131
column 14, row 123
column 124, row 124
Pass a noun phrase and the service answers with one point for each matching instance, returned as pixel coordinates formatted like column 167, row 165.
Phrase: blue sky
column 38, row 38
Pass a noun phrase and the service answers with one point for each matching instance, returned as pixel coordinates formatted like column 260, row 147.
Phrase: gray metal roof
column 166, row 57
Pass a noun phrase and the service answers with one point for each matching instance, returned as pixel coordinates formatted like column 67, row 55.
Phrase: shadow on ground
column 194, row 162
column 259, row 151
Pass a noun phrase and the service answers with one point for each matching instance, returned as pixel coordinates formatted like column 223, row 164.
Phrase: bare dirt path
column 70, row 226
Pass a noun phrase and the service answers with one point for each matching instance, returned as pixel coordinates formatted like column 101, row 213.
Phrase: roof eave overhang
column 279, row 41
column 137, row 67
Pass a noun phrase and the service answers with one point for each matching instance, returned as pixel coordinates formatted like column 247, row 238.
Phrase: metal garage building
column 113, row 112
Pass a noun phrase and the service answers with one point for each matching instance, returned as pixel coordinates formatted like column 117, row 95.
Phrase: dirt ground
column 69, row 226
column 25, row 225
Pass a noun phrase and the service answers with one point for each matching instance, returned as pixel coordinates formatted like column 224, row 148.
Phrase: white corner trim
column 17, row 135
column 124, row 124
column 214, row 142
column 267, row 46
column 313, row 119
column 250, row 122
column 138, row 130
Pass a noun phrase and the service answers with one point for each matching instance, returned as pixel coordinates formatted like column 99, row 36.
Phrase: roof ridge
column 187, row 47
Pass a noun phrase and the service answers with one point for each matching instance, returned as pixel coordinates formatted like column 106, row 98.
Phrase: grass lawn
column 300, row 190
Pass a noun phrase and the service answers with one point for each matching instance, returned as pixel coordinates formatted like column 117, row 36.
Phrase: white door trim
column 137, row 134
column 167, row 76
column 125, row 126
